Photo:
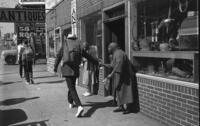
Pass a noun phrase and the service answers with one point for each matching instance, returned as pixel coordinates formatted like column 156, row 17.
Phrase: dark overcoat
column 71, row 69
column 122, row 78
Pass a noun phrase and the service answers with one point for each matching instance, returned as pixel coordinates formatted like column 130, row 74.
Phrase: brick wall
column 171, row 103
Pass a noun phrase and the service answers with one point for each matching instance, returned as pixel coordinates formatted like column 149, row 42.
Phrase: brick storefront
column 170, row 101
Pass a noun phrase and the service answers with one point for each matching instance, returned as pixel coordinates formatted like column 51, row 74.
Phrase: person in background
column 32, row 43
column 27, row 61
column 121, row 75
column 85, row 72
column 20, row 47
column 93, row 70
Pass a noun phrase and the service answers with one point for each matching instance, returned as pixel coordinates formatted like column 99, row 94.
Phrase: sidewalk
column 45, row 104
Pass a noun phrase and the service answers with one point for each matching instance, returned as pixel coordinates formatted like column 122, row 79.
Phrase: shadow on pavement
column 45, row 76
column 96, row 105
column 7, row 83
column 12, row 116
column 9, row 73
column 39, row 123
column 51, row 82
column 16, row 101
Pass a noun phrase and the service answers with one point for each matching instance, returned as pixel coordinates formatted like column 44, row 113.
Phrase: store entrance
column 114, row 32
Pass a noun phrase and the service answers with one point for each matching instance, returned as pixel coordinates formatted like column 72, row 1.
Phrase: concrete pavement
column 45, row 103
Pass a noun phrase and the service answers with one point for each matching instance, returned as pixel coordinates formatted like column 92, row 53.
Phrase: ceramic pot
column 145, row 44
column 164, row 47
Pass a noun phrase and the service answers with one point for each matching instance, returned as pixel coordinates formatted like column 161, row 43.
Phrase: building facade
column 26, row 29
column 167, row 77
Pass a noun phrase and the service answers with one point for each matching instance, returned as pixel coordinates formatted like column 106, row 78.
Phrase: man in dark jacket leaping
column 71, row 53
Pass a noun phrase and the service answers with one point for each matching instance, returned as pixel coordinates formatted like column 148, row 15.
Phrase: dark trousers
column 21, row 69
column 28, row 70
column 20, row 66
column 72, row 93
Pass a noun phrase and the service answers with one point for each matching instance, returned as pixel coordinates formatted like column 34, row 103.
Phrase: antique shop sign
column 21, row 15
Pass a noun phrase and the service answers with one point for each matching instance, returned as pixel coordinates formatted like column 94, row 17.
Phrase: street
column 45, row 103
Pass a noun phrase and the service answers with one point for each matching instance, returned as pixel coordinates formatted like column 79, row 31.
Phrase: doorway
column 114, row 31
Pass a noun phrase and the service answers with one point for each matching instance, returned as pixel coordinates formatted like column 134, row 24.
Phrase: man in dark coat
column 71, row 53
column 122, row 77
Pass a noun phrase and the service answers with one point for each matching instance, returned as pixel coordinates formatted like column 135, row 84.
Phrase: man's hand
column 105, row 79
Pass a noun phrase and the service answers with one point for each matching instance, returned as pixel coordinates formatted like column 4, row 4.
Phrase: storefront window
column 168, row 39
column 51, row 44
column 92, row 31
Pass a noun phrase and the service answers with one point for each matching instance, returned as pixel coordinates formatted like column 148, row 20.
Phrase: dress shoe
column 126, row 112
column 119, row 109
column 80, row 111
column 114, row 103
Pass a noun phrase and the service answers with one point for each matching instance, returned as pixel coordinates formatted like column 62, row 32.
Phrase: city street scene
column 99, row 63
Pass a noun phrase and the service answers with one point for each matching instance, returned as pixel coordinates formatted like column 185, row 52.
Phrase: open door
column 114, row 31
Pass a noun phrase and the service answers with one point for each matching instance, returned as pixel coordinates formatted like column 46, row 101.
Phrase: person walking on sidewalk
column 20, row 48
column 27, row 60
column 71, row 53
column 121, row 75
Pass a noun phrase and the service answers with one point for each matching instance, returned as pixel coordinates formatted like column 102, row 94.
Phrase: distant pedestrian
column 71, row 53
column 27, row 61
column 85, row 72
column 92, row 71
column 20, row 47
column 32, row 43
column 121, row 75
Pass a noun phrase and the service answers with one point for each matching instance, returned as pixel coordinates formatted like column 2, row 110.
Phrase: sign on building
column 21, row 15
column 73, row 19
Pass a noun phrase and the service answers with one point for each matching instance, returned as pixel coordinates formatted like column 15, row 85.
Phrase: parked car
column 9, row 56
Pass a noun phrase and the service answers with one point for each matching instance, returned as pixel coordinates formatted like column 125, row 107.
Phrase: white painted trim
column 114, row 5
column 31, row 3
column 129, row 30
column 171, row 81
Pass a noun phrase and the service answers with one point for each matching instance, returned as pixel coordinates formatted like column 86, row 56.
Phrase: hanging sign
column 73, row 18
column 21, row 15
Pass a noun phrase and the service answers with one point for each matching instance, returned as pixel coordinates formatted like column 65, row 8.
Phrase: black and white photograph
column 99, row 62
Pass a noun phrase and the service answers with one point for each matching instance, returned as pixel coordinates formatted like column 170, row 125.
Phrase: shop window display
column 167, row 43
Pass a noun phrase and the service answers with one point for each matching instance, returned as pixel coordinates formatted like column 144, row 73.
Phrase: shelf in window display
column 166, row 54
column 168, row 75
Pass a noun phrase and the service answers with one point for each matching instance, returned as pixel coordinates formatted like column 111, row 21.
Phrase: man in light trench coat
column 123, row 78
